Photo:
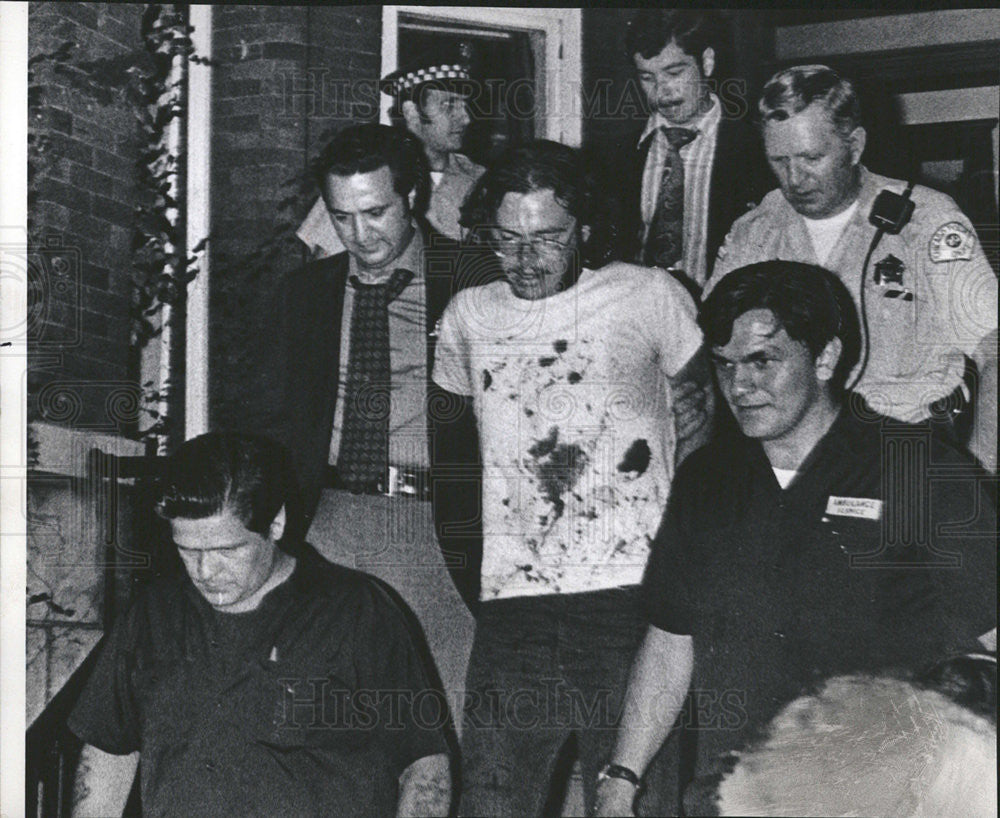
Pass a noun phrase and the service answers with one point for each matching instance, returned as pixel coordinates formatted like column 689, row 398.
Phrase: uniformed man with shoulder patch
column 430, row 100
column 929, row 296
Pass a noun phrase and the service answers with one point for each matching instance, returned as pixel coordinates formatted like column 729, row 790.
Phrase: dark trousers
column 544, row 669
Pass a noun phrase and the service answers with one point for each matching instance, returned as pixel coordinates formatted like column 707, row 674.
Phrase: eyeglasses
column 507, row 243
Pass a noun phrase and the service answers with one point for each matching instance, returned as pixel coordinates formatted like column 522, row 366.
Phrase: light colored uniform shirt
column 573, row 406
column 921, row 326
column 698, row 157
column 449, row 192
column 407, row 361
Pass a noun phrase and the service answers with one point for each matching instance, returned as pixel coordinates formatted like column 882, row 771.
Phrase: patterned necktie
column 364, row 438
column 664, row 241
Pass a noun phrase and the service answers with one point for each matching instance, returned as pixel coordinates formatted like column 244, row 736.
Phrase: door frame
column 563, row 30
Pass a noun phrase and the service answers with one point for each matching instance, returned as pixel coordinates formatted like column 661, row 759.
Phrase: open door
column 525, row 64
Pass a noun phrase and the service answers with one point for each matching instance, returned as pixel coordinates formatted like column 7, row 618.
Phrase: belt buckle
column 401, row 482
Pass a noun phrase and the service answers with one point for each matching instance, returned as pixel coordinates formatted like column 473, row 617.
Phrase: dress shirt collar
column 707, row 121
column 410, row 259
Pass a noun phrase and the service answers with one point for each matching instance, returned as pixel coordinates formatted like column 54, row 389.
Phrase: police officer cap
column 446, row 65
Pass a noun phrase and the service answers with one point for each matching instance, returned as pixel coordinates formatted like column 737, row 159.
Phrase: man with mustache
column 360, row 334
column 929, row 294
column 694, row 169
column 430, row 100
column 569, row 365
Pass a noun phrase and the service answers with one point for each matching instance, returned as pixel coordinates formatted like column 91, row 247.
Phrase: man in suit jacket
column 430, row 95
column 374, row 183
column 675, row 55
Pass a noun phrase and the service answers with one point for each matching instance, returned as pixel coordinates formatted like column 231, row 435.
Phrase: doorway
column 525, row 65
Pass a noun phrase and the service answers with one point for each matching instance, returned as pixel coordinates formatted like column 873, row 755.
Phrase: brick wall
column 287, row 78
column 81, row 224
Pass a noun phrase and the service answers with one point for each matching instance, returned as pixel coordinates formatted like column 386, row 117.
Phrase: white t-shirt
column 825, row 232
column 573, row 407
column 784, row 476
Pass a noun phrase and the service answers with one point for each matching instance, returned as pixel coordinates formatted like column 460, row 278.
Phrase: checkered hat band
column 438, row 72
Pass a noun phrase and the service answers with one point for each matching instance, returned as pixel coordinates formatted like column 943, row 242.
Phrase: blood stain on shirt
column 547, row 361
column 558, row 466
column 560, row 346
column 574, row 377
column 636, row 459
column 487, row 380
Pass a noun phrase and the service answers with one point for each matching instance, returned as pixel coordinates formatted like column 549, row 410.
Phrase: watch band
column 618, row 771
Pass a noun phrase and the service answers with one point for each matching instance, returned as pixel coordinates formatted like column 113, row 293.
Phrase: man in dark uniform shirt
column 821, row 539
column 257, row 682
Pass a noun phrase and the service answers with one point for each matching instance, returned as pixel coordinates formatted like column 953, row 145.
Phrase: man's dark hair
column 545, row 165
column 793, row 90
column 366, row 148
column 811, row 303
column 216, row 472
column 652, row 30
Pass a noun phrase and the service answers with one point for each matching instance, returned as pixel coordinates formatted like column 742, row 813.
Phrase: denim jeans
column 542, row 669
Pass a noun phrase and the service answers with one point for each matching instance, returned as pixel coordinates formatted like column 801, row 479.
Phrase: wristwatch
column 618, row 771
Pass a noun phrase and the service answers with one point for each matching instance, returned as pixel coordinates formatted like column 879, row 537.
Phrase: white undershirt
column 784, row 476
column 825, row 232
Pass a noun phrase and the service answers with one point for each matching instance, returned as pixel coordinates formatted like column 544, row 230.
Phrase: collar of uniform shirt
column 410, row 259
column 708, row 121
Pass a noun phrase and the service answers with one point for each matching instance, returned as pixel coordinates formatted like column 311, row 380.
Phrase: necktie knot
column 392, row 287
column 678, row 137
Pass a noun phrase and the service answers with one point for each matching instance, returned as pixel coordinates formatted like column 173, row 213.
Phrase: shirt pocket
column 892, row 320
column 298, row 708
column 849, row 540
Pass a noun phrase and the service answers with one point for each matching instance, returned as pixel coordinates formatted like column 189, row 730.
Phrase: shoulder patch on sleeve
column 951, row 242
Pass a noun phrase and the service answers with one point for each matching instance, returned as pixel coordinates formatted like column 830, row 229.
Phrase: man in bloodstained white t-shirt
column 570, row 368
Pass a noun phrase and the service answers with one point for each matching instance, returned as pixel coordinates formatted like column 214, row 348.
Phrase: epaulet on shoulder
column 763, row 210
column 934, row 208
column 930, row 195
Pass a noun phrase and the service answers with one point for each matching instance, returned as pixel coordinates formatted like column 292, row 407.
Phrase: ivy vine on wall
column 148, row 81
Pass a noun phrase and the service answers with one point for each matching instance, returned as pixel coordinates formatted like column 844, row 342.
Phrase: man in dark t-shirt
column 821, row 539
column 257, row 682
